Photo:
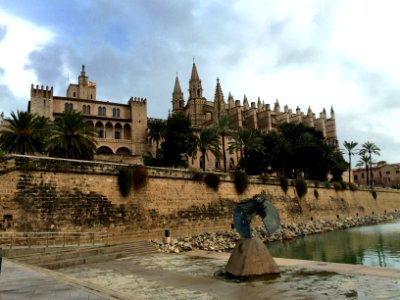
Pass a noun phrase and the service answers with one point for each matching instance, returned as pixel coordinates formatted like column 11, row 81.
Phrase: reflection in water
column 377, row 245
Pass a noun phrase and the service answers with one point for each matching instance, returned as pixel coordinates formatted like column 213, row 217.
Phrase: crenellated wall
column 44, row 194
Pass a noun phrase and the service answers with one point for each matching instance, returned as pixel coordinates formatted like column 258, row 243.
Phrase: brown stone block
column 251, row 258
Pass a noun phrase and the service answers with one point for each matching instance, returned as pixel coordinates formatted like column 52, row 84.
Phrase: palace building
column 121, row 128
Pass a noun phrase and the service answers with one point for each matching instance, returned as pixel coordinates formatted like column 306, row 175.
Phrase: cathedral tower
column 196, row 101
column 178, row 103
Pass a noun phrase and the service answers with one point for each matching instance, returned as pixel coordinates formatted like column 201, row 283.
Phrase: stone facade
column 46, row 194
column 121, row 128
column 383, row 174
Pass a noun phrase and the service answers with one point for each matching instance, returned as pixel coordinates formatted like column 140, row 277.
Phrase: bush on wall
column 316, row 194
column 139, row 176
column 352, row 187
column 241, row 181
column 125, row 180
column 301, row 187
column 374, row 194
column 212, row 181
column 284, row 183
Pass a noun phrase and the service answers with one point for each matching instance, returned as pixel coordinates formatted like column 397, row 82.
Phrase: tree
column 21, row 134
column 370, row 148
column 207, row 140
column 72, row 137
column 179, row 140
column 350, row 147
column 156, row 131
column 246, row 141
column 224, row 127
column 364, row 161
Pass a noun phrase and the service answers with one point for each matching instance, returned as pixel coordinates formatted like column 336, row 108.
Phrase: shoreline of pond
column 225, row 241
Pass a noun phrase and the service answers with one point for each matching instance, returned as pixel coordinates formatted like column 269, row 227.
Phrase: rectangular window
column 387, row 172
column 117, row 135
column 100, row 134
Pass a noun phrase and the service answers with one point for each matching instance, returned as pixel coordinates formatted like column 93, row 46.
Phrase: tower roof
column 177, row 87
column 219, row 96
column 195, row 75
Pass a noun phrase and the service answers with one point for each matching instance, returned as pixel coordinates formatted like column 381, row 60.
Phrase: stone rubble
column 225, row 241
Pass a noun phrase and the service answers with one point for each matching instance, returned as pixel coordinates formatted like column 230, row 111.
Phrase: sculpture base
column 251, row 258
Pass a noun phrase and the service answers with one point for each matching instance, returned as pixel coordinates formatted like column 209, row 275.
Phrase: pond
column 376, row 245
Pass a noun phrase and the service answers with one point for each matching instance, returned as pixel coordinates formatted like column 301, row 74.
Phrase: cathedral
column 255, row 115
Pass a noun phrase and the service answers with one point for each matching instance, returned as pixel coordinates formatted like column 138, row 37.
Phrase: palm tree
column 244, row 141
column 21, row 134
column 350, row 147
column 156, row 131
column 72, row 137
column 207, row 140
column 224, row 127
column 370, row 148
column 364, row 161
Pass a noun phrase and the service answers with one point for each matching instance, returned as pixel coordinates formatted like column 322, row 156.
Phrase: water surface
column 377, row 245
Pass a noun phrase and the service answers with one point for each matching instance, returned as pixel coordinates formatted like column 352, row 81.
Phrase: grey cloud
column 382, row 90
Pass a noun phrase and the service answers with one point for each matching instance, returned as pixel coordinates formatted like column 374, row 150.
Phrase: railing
column 29, row 239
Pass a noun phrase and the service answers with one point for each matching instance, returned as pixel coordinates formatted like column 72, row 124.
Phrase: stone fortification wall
column 44, row 194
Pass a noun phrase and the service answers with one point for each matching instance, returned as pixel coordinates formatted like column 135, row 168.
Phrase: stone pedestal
column 251, row 258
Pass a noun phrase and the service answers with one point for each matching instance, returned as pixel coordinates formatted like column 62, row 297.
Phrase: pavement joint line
column 90, row 287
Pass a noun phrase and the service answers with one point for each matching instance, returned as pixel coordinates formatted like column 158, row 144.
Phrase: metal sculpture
column 250, row 256
column 247, row 209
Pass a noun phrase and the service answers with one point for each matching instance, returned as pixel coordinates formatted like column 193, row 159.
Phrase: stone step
column 76, row 256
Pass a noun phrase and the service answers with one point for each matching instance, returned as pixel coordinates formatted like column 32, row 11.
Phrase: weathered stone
column 251, row 258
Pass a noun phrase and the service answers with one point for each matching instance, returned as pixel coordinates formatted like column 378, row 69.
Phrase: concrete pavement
column 195, row 275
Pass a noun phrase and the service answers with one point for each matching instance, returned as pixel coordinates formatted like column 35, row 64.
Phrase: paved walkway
column 195, row 275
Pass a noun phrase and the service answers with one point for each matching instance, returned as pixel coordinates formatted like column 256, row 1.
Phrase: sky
column 320, row 54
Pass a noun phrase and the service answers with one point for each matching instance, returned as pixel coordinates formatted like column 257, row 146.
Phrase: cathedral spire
column 195, row 89
column 177, row 87
column 219, row 103
column 178, row 103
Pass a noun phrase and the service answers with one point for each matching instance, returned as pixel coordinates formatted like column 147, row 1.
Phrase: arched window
column 102, row 111
column 88, row 109
column 201, row 162
column 68, row 107
column 231, row 164
column 116, row 112
column 217, row 164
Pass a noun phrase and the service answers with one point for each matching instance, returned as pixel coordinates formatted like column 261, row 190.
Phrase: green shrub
column 301, row 187
column 125, row 180
column 212, row 181
column 327, row 184
column 2, row 152
column 264, row 178
column 316, row 194
column 241, row 181
column 337, row 186
column 316, row 183
column 352, row 187
column 344, row 185
column 374, row 194
column 28, row 166
column 284, row 183
column 139, row 177
column 197, row 176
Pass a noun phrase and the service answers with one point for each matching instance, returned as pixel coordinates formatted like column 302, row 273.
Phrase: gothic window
column 88, row 109
column 117, row 135
column 100, row 133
